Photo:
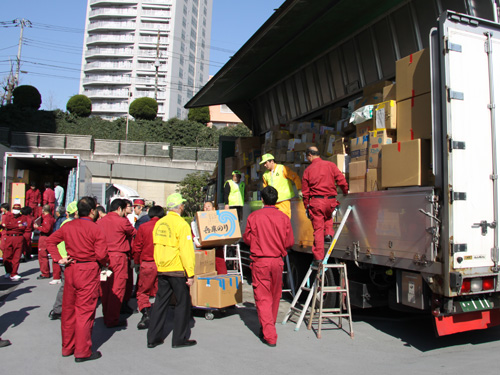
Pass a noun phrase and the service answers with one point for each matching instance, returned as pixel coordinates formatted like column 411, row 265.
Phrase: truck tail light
column 488, row 283
column 465, row 286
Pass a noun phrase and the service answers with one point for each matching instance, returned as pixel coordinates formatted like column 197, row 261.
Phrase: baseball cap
column 139, row 202
column 72, row 208
column 174, row 200
column 16, row 206
column 266, row 157
column 236, row 172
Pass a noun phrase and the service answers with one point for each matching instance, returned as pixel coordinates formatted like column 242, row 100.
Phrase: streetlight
column 110, row 162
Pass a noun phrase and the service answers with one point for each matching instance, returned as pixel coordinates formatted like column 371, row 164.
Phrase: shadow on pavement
column 14, row 318
column 417, row 330
column 14, row 292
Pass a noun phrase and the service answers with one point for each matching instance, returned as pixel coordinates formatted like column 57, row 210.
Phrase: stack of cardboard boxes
column 390, row 149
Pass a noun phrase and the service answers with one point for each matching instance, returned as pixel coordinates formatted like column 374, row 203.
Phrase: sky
column 51, row 56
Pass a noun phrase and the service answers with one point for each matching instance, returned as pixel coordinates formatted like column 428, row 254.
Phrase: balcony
column 112, row 12
column 110, row 38
column 162, row 2
column 106, row 80
column 151, row 67
column 119, row 2
column 155, row 26
column 110, row 25
column 108, row 65
column 107, row 107
column 111, row 94
column 156, row 13
column 112, row 52
column 151, row 94
column 153, row 40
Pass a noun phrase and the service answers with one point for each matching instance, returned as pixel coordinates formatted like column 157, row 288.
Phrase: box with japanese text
column 219, row 291
column 218, row 228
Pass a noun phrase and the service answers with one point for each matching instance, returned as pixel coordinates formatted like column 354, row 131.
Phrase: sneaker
column 7, row 275
column 41, row 277
column 55, row 282
column 15, row 278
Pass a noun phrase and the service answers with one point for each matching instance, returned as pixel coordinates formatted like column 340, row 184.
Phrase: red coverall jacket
column 49, row 197
column 118, row 231
column 143, row 248
column 33, row 198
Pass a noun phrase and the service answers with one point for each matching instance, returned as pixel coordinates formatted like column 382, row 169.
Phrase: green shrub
column 144, row 109
column 27, row 96
column 79, row 105
column 201, row 115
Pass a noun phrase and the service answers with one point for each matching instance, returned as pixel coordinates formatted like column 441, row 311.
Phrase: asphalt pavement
column 383, row 342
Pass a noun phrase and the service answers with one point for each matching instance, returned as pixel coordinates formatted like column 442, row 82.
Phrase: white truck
column 431, row 248
column 67, row 169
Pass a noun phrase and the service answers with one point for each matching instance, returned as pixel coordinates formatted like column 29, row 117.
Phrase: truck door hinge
column 484, row 226
column 457, row 95
column 458, row 248
column 457, row 196
column 453, row 47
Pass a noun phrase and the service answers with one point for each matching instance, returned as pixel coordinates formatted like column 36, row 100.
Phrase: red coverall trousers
column 12, row 249
column 148, row 284
column 113, row 289
column 320, row 212
column 81, row 291
column 267, row 282
column 43, row 260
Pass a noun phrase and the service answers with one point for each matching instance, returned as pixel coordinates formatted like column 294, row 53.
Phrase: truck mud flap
column 450, row 324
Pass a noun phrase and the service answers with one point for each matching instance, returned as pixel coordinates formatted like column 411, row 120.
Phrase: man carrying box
column 174, row 258
column 269, row 234
column 280, row 177
column 319, row 187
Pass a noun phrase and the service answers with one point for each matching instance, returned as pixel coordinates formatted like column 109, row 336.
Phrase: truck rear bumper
column 450, row 324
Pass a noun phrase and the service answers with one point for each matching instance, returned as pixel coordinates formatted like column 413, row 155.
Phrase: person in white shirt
column 59, row 193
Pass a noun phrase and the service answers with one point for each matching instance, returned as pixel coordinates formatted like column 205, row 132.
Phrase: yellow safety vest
column 236, row 193
column 280, row 183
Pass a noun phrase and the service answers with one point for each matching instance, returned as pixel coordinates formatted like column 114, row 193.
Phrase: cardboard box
column 303, row 146
column 327, row 145
column 364, row 128
column 340, row 161
column 18, row 193
column 372, row 179
column 375, row 88
column 309, row 138
column 414, row 118
column 372, row 99
column 359, row 148
column 389, row 93
column 357, row 176
column 384, row 115
column 242, row 161
column 335, row 114
column 219, row 291
column 413, row 75
column 21, row 175
column 218, row 228
column 406, row 164
column 339, row 146
column 275, row 135
column 193, row 290
column 292, row 143
column 341, row 125
column 246, row 144
column 377, row 139
column 204, row 261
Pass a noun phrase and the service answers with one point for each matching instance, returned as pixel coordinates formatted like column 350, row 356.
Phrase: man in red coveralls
column 27, row 212
column 49, row 197
column 143, row 253
column 34, row 199
column 269, row 234
column 87, row 251
column 13, row 243
column 319, row 190
column 46, row 229
column 118, row 232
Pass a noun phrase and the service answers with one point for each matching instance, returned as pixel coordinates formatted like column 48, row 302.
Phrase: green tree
column 27, row 96
column 239, row 130
column 191, row 189
column 144, row 109
column 201, row 115
column 79, row 105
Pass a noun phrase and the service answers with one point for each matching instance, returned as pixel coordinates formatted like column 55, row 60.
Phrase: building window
column 183, row 21
column 192, row 45
column 179, row 99
column 181, row 60
column 181, row 73
column 191, row 69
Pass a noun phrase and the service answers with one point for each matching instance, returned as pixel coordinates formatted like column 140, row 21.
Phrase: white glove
column 301, row 196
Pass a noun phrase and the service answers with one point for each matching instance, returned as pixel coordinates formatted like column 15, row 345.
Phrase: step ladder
column 344, row 303
column 288, row 274
column 317, row 267
column 234, row 257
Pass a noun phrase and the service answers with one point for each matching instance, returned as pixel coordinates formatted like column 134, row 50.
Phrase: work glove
column 301, row 196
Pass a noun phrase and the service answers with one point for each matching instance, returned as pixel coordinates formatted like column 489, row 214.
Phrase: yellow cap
column 174, row 200
column 72, row 208
column 236, row 172
column 266, row 157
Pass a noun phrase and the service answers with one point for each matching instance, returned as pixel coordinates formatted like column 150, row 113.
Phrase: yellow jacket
column 173, row 245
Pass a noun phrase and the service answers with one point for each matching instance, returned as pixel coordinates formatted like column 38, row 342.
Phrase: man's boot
column 144, row 322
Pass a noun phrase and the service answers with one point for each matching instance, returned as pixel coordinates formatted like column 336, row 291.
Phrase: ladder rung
column 332, row 289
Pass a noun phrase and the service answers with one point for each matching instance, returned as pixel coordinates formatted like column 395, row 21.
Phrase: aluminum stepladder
column 235, row 260
column 320, row 271
column 288, row 274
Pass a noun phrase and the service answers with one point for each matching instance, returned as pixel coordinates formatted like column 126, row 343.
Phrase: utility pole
column 157, row 65
column 22, row 23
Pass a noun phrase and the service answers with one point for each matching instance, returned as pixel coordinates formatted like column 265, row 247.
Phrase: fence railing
column 23, row 141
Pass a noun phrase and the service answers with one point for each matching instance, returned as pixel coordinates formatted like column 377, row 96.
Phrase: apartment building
column 145, row 48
